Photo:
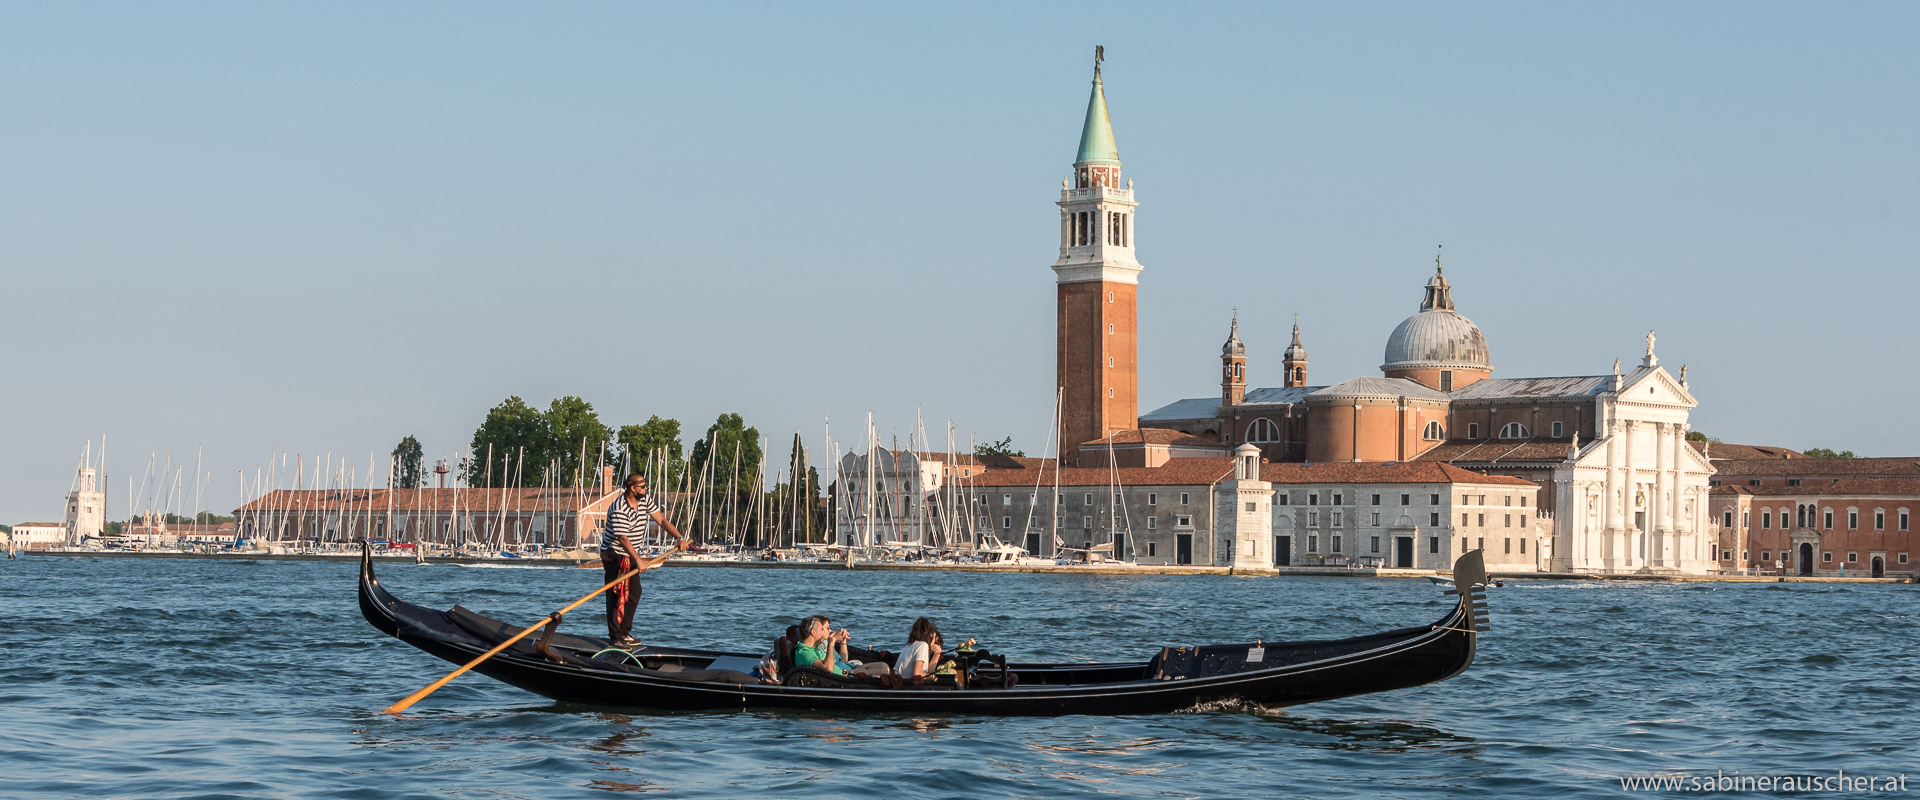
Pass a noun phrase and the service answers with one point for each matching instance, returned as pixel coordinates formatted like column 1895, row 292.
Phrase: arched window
column 1434, row 432
column 1263, row 430
column 1514, row 430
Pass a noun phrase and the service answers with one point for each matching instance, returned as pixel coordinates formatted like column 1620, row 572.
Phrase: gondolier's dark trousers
column 622, row 600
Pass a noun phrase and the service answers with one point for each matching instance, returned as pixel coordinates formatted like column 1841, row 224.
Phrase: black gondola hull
column 1317, row 671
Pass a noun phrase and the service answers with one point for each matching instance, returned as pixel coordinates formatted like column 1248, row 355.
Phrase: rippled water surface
column 177, row 678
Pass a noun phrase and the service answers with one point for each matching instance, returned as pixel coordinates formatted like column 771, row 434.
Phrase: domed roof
column 1438, row 337
column 1234, row 348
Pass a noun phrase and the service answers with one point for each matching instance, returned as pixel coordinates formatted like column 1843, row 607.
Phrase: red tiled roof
column 1165, row 436
column 1836, row 467
column 1834, row 487
column 1203, row 471
column 1722, row 450
column 980, row 460
column 375, row 500
column 1498, row 451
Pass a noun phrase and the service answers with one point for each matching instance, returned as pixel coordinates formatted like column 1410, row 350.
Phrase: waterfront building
column 38, row 535
column 914, row 496
column 1608, row 451
column 1196, row 511
column 465, row 517
column 1817, row 517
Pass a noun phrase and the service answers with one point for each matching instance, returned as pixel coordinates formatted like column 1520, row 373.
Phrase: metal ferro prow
column 1470, row 583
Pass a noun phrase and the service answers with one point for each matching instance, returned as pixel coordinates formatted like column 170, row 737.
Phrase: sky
column 235, row 230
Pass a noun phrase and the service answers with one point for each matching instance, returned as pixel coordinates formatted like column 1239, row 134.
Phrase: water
column 200, row 679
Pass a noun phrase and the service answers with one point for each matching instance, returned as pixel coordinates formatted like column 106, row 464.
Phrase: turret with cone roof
column 1294, row 363
column 1233, row 366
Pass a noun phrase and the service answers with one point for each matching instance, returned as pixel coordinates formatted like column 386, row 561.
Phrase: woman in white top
column 922, row 654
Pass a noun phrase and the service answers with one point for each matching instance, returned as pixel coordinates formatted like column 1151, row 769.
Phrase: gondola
column 582, row 670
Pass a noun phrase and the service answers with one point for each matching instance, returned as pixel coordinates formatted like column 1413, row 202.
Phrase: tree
column 729, row 481
column 407, row 471
column 1697, row 436
column 641, row 443
column 1822, row 452
column 573, row 426
column 1004, row 447
column 513, row 433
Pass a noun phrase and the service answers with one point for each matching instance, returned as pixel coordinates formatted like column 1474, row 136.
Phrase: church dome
column 1437, row 340
column 1438, row 337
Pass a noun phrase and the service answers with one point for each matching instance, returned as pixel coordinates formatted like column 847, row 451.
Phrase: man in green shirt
column 823, row 647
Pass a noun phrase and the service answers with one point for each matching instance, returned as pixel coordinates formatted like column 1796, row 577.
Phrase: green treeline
column 716, row 487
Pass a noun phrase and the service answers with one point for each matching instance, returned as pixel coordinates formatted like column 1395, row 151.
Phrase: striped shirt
column 626, row 518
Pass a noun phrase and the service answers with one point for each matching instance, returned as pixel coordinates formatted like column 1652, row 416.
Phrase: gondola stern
column 376, row 603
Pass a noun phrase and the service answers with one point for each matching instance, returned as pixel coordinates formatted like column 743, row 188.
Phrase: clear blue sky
column 313, row 227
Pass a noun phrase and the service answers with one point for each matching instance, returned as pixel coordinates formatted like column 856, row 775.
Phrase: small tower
column 1233, row 367
column 1294, row 364
column 440, row 471
column 1243, row 509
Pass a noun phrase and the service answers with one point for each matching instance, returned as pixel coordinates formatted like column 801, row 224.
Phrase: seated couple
column 821, row 646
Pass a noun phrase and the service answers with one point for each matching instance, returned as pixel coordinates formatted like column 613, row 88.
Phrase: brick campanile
column 1097, row 277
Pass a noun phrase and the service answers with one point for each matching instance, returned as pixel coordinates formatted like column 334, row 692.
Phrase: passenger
column 823, row 647
column 921, row 657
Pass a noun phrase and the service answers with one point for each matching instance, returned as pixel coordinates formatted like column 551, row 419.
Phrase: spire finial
column 1099, row 55
column 1437, row 269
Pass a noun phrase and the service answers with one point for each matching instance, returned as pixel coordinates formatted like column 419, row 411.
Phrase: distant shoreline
column 1334, row 572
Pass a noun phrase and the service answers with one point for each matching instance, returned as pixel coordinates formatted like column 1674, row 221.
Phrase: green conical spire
column 1096, row 138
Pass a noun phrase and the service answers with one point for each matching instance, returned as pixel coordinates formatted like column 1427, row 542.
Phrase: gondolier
column 627, row 520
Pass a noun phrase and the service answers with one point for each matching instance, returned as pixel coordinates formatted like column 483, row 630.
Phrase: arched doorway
column 1879, row 567
column 1806, row 558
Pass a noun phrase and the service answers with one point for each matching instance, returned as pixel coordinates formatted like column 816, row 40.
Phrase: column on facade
column 1691, row 554
column 1657, row 528
column 1629, row 483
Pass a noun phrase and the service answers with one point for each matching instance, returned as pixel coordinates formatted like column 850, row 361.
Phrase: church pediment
column 1654, row 386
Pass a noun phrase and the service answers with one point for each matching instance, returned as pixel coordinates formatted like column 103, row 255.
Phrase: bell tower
column 1096, row 277
column 1233, row 368
column 1294, row 363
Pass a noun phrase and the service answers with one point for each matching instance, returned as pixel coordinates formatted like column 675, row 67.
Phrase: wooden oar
column 416, row 697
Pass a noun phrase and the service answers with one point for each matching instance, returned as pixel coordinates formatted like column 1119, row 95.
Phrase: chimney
column 606, row 479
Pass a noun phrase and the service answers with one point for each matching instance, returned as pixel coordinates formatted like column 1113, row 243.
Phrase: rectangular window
column 1480, row 544
column 1183, row 521
column 1508, row 522
column 1853, row 557
column 1903, row 520
column 1338, row 518
column 1853, row 520
column 1313, row 543
column 1086, row 522
column 1006, row 522
column 1793, row 481
column 1523, row 545
column 1473, row 428
column 1903, row 558
column 1313, row 499
column 1006, row 499
column 1376, row 499
column 1337, row 499
column 1406, row 499
column 1746, row 520
column 1482, row 521
column 1523, row 501
column 1375, row 519
column 1376, row 544
column 1466, row 499
column 1826, row 557
column 1150, row 521
column 1556, row 430
column 1281, row 499
column 1523, row 520
column 1766, row 519
column 1446, row 380
column 1433, row 499
column 1433, row 518
column 1086, row 499
column 1829, row 520
column 1463, row 544
column 1336, row 543
column 1508, row 499
column 1766, row 555
column 1726, row 518
column 1463, row 519
column 1151, row 549
column 1433, row 544
column 1153, row 499
column 1507, row 547
column 1183, row 498
column 1313, row 518
column 1879, row 520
